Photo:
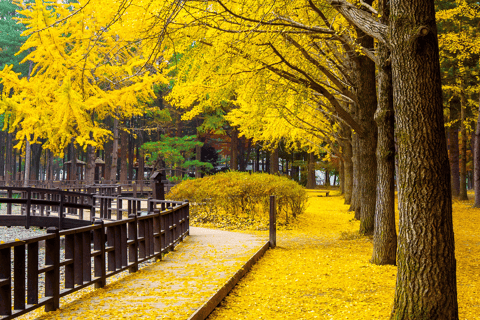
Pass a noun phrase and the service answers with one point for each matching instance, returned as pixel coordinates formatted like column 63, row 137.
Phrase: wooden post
column 132, row 235
column 273, row 223
column 5, row 282
column 52, row 277
column 99, row 260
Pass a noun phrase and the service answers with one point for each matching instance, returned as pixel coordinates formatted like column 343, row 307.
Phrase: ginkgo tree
column 85, row 69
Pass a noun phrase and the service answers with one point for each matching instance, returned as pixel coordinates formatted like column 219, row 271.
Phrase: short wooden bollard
column 273, row 223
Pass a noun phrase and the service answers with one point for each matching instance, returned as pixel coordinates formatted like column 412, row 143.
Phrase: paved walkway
column 174, row 287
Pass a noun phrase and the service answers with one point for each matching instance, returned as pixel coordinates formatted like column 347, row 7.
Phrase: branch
column 362, row 20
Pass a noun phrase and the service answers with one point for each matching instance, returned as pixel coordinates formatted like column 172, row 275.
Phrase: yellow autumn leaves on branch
column 84, row 68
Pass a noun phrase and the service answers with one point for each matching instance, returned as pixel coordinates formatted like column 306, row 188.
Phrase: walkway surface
column 173, row 288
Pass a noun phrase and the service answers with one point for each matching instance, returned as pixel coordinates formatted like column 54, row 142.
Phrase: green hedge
column 239, row 200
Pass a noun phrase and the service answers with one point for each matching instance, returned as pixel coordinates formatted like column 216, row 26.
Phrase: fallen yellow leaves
column 314, row 274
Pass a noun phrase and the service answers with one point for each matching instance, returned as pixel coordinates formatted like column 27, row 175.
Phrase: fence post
column 60, row 212
column 52, row 277
column 99, row 260
column 6, row 280
column 273, row 223
column 132, row 236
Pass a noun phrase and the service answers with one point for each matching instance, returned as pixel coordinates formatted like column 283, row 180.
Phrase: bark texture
column 311, row 181
column 426, row 278
column 385, row 234
column 367, row 105
column 114, row 155
column 463, row 149
column 123, row 157
column 234, row 150
column 476, row 163
column 454, row 161
column 90, row 168
column 274, row 161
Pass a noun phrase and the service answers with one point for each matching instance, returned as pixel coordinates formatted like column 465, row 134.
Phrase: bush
column 239, row 200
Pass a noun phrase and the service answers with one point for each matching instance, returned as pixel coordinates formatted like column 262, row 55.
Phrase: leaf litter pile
column 321, row 270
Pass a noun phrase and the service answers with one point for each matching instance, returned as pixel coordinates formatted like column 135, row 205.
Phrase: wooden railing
column 118, row 245
column 38, row 204
column 134, row 187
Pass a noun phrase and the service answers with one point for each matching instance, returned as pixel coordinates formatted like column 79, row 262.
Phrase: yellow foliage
column 239, row 200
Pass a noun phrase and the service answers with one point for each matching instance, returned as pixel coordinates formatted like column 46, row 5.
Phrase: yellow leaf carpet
column 321, row 270
column 169, row 289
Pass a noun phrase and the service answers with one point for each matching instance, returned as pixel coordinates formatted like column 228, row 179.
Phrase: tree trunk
column 454, row 161
column 257, row 161
column 342, row 177
column 198, row 157
column 476, row 162
column 426, row 278
column 123, row 157
column 114, row 154
column 385, row 234
column 367, row 105
column 36, row 153
column 241, row 154
column 327, row 178
column 234, row 150
column 131, row 150
column 311, row 179
column 354, row 206
column 348, row 170
column 28, row 157
column 274, row 161
column 140, row 158
column 463, row 150
column 90, row 169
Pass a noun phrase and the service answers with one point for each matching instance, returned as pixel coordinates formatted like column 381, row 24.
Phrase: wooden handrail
column 117, row 246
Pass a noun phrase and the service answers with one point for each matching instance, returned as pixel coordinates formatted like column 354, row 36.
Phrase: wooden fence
column 113, row 246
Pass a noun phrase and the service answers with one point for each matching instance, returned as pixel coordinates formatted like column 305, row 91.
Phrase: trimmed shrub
column 239, row 200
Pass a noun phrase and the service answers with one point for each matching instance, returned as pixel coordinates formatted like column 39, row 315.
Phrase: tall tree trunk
column 234, row 150
column 476, row 161
column 73, row 163
column 90, row 169
column 311, row 179
column 348, row 168
column 113, row 168
column 342, row 177
column 36, row 150
column 241, row 154
column 385, row 234
column 140, row 158
column 123, row 156
column 463, row 150
column 131, row 150
column 367, row 105
column 426, row 278
column 257, row 161
column 327, row 178
column 454, row 161
column 28, row 157
column 274, row 161
column 198, row 157
column 355, row 205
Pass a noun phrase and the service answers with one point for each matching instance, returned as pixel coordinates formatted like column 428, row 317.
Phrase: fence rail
column 143, row 230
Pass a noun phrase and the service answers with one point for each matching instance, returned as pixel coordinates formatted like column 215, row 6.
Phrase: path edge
column 204, row 311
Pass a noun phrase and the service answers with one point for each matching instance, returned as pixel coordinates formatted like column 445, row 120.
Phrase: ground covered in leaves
column 321, row 270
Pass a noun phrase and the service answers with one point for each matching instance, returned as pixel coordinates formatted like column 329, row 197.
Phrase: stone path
column 173, row 288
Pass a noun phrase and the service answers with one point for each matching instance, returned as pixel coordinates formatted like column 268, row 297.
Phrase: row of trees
column 364, row 86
